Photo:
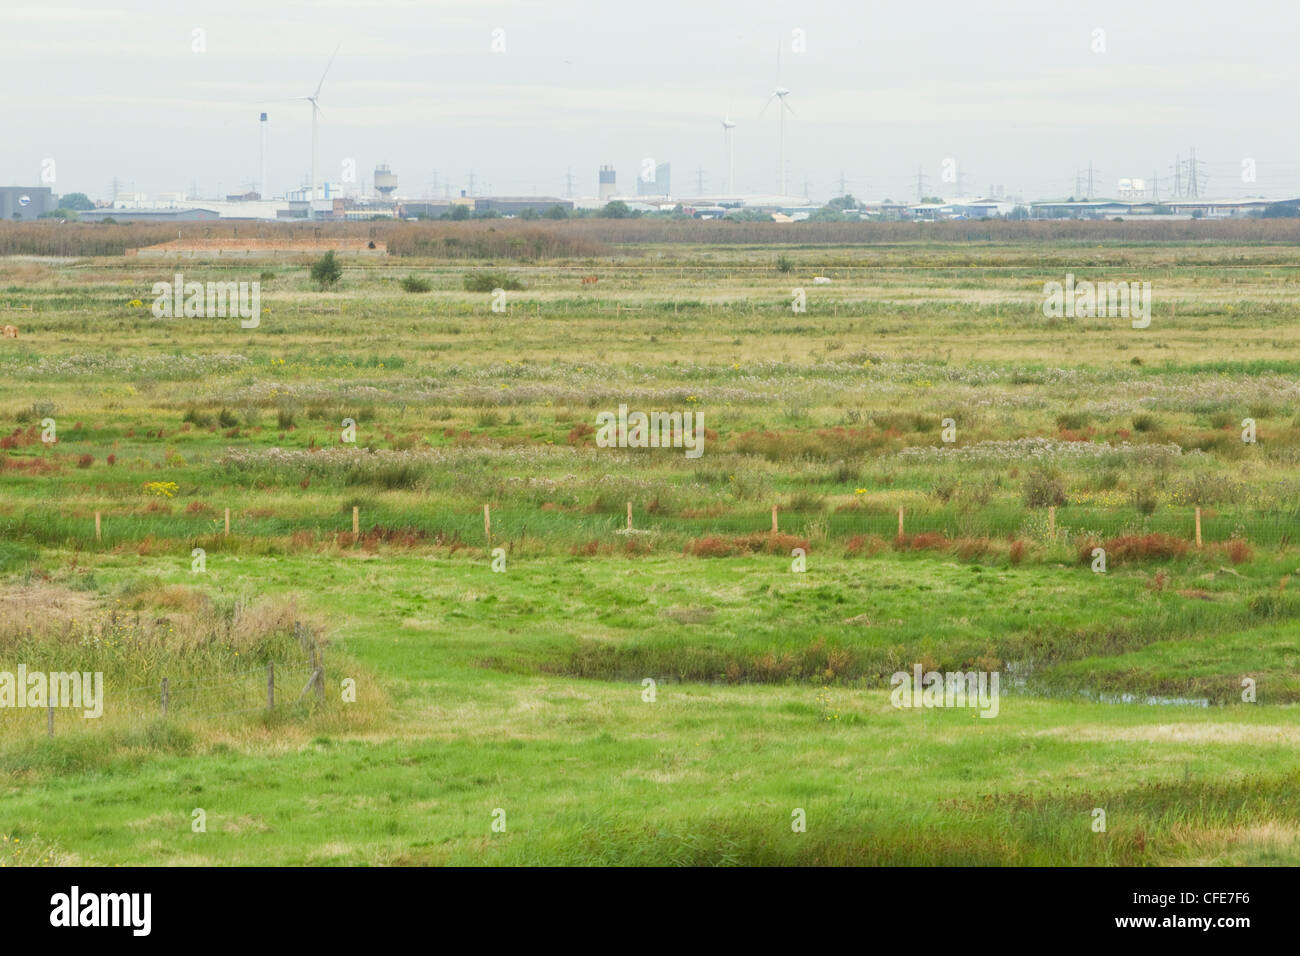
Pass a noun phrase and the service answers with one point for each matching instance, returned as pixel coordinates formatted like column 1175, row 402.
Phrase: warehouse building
column 135, row 214
column 25, row 202
column 514, row 205
column 478, row 205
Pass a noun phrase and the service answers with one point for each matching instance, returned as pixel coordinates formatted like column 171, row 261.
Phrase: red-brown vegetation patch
column 1238, row 550
column 968, row 549
column 580, row 432
column 30, row 466
column 1136, row 547
column 868, row 544
column 925, row 541
column 722, row 546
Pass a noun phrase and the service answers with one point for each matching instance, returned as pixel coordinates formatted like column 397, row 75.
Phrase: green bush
column 488, row 281
column 616, row 209
column 197, row 418
column 1144, row 500
column 1041, row 489
column 416, row 284
column 326, row 271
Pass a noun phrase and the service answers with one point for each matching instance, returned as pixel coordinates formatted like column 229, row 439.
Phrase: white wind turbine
column 780, row 93
column 315, row 112
column 729, row 141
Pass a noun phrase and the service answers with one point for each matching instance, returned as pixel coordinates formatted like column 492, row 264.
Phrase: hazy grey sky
column 1013, row 91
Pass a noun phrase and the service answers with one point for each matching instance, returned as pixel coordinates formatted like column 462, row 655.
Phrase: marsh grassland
column 522, row 690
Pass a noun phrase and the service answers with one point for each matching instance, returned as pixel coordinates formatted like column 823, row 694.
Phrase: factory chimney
column 263, row 190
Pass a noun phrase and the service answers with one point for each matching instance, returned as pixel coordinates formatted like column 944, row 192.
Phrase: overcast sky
column 1014, row 92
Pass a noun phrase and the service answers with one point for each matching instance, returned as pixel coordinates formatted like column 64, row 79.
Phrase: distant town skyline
column 1015, row 93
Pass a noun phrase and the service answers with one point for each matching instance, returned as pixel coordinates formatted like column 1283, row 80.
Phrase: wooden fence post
column 49, row 715
column 164, row 696
column 900, row 523
column 227, row 521
column 629, row 516
column 270, row 686
column 487, row 523
column 1198, row 527
column 356, row 521
column 774, row 508
column 98, row 535
column 1051, row 522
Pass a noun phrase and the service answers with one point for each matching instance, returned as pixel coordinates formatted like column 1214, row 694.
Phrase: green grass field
column 675, row 693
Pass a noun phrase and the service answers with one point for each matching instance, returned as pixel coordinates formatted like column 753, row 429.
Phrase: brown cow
column 11, row 331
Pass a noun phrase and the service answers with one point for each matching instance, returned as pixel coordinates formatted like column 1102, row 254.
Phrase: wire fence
column 264, row 688
column 1264, row 528
column 1275, row 529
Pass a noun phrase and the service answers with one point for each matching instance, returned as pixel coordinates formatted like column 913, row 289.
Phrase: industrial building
column 385, row 181
column 953, row 209
column 606, row 188
column 660, row 185
column 478, row 205
column 140, row 214
column 429, row 208
column 25, row 202
column 1174, row 208
column 514, row 205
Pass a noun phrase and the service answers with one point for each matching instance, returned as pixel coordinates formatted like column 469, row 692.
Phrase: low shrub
column 488, row 281
column 1136, row 547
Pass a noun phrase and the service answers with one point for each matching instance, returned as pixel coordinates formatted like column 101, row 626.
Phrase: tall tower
column 263, row 189
column 385, row 181
column 607, row 189
column 1193, row 176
